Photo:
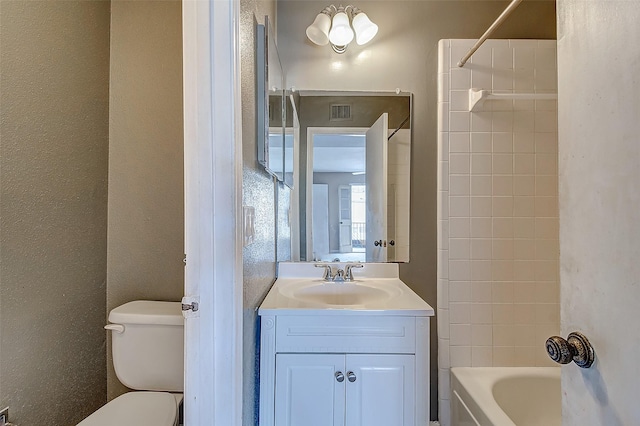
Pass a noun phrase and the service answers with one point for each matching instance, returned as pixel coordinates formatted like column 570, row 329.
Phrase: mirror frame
column 267, row 60
column 306, row 216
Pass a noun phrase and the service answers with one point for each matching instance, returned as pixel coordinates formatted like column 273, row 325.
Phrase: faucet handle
column 348, row 270
column 326, row 276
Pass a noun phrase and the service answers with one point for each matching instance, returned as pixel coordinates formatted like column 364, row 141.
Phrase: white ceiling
column 338, row 153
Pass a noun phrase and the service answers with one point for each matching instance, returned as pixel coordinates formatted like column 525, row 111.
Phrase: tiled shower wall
column 498, row 287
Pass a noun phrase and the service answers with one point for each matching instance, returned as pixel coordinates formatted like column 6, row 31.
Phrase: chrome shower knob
column 575, row 348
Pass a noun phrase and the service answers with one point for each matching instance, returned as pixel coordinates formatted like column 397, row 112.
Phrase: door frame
column 213, row 202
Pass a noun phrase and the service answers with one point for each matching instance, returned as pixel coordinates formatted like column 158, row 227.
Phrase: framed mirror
column 270, row 103
column 355, row 155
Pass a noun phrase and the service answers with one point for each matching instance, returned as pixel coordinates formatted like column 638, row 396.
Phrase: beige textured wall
column 54, row 75
column 404, row 55
column 146, row 214
column 258, row 190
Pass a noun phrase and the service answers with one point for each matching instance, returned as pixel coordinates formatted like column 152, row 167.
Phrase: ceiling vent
column 340, row 112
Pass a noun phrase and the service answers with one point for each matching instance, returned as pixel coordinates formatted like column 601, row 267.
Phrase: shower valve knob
column 575, row 348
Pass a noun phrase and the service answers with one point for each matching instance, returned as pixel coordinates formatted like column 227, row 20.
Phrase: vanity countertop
column 375, row 290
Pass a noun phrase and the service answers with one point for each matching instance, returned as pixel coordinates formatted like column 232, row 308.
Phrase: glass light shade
column 318, row 32
column 365, row 29
column 341, row 33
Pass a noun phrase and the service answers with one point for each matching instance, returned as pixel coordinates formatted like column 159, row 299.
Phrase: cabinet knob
column 340, row 376
column 377, row 243
column 351, row 376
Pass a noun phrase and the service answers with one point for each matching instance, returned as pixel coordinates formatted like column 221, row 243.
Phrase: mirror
column 355, row 151
column 270, row 103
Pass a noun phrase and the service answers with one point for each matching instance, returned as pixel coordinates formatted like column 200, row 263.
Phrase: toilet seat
column 137, row 409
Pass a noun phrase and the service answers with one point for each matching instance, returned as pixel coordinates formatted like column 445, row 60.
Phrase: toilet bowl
column 147, row 347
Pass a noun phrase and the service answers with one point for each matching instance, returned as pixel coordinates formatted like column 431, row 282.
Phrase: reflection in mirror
column 355, row 160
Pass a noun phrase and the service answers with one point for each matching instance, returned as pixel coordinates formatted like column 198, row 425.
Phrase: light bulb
column 318, row 32
column 365, row 29
column 341, row 33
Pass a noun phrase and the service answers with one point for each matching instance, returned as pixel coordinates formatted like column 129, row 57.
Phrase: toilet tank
column 148, row 345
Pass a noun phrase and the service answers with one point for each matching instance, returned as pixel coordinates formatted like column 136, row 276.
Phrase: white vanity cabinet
column 344, row 370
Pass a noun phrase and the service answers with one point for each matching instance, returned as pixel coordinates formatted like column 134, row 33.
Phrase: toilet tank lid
column 148, row 312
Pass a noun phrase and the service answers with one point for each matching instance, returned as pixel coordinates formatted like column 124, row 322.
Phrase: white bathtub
column 505, row 396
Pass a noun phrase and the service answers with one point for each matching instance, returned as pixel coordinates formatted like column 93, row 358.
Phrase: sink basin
column 338, row 293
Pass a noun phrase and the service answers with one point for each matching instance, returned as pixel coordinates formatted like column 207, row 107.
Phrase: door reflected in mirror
column 355, row 204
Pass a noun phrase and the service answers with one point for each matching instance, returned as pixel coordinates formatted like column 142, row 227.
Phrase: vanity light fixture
column 339, row 25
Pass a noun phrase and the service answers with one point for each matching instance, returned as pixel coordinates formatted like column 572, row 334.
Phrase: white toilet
column 147, row 347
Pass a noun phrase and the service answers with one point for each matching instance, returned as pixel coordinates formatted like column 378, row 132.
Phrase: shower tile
column 547, row 185
column 502, row 270
column 459, row 121
column 547, row 249
column 443, row 353
column 481, row 335
column 480, row 293
column 523, row 142
column 546, row 121
column 524, row 313
column 547, row 270
column 459, row 206
column 524, row 185
column 546, row 164
column 547, row 292
column 503, row 356
column 460, row 356
column 481, row 249
column 546, row 206
column 547, row 228
column 481, row 164
column 443, row 235
column 524, row 335
column 443, row 292
column 524, row 356
column 502, row 58
column 545, row 57
column 502, row 249
column 524, row 249
column 503, row 334
column 524, row 206
column 502, row 80
column 459, row 100
column 459, row 185
column 524, row 293
column 443, row 263
column 502, row 292
column 481, row 121
column 502, row 164
column 460, row 313
column 480, row 206
column 502, row 142
column 481, row 142
column 524, row 164
column 502, row 185
column 459, row 164
column 503, row 121
column 481, row 227
column 443, row 172
column 459, row 141
column 524, row 56
column 460, row 291
column 460, row 79
column 482, row 313
column 546, row 80
column 443, row 323
column 459, row 270
column 481, row 270
column 502, row 227
column 524, row 105
column 459, row 249
column 546, row 143
column 547, row 313
column 523, row 121
column 459, row 228
column 502, row 206
column 460, row 335
column 481, row 356
column 481, row 185
column 524, row 270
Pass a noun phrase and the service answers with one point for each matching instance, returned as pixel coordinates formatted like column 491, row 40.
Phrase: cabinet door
column 383, row 390
column 307, row 391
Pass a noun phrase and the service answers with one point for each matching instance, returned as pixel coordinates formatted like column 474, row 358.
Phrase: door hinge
column 190, row 306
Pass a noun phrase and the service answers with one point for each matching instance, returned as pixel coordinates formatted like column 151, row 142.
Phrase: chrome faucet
column 348, row 270
column 326, row 276
column 339, row 277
